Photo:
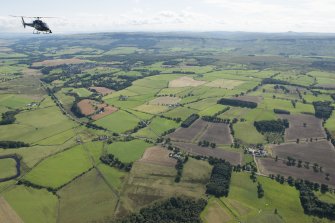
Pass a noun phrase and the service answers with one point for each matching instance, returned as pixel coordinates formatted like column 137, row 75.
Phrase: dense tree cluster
column 188, row 122
column 281, row 87
column 76, row 110
column 171, row 62
column 175, row 209
column 9, row 117
column 111, row 160
column 12, row 144
column 220, row 178
column 281, row 111
column 323, row 109
column 236, row 102
column 272, row 125
column 314, row 206
column 274, row 81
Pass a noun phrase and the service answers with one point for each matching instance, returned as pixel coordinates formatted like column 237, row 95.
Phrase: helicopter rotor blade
column 34, row 17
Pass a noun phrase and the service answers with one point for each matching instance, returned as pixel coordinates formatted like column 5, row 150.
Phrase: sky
column 74, row 16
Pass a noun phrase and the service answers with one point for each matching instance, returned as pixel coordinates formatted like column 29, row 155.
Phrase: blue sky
column 174, row 15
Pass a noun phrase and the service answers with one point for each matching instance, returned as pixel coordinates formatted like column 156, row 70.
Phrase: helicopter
column 38, row 25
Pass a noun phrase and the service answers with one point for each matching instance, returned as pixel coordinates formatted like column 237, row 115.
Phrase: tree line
column 281, row 111
column 111, row 160
column 179, row 167
column 12, row 144
column 278, row 126
column 174, row 209
column 189, row 121
column 323, row 109
column 311, row 204
column 236, row 102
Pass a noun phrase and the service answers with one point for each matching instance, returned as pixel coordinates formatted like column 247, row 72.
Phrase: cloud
column 197, row 15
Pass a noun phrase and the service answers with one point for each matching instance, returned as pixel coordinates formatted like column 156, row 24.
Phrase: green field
column 120, row 121
column 157, row 80
column 128, row 151
column 7, row 168
column 242, row 203
column 36, row 125
column 157, row 127
column 33, row 206
column 86, row 199
column 60, row 168
column 247, row 133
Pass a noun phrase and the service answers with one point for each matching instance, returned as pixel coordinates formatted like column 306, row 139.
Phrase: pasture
column 243, row 205
column 60, row 168
column 185, row 82
column 119, row 121
column 32, row 205
column 35, row 125
column 128, row 151
column 7, row 168
column 86, row 199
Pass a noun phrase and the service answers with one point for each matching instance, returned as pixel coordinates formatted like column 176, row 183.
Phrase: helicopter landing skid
column 38, row 32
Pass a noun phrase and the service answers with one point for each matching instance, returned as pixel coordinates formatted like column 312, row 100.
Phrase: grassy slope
column 61, row 168
column 128, row 151
column 33, row 206
column 243, row 204
column 86, row 199
column 7, row 168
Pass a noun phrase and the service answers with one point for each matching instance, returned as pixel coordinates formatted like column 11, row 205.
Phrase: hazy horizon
column 183, row 15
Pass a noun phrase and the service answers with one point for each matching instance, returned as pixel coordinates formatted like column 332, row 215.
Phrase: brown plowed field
column 297, row 130
column 91, row 107
column 158, row 155
column 218, row 133
column 321, row 152
column 189, row 134
column 270, row 166
column 87, row 106
column 233, row 157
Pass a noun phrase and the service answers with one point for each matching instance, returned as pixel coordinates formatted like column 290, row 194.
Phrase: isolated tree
column 260, row 190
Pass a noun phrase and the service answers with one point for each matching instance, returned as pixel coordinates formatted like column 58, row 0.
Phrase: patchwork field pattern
column 303, row 127
column 185, row 82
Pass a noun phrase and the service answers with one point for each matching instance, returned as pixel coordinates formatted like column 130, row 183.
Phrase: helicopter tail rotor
column 23, row 22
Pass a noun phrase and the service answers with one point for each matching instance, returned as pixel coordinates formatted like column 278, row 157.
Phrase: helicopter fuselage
column 39, row 26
